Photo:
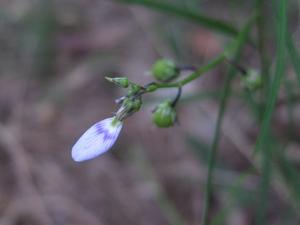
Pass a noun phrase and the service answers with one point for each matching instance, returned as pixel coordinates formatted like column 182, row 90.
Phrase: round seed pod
column 164, row 115
column 164, row 70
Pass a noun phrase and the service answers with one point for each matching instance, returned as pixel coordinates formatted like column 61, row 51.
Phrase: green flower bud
column 136, row 104
column 164, row 115
column 164, row 70
column 132, row 105
column 129, row 106
column 134, row 89
column 252, row 80
column 120, row 81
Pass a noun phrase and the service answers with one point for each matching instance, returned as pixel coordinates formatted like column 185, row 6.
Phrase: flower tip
column 96, row 140
column 109, row 79
column 76, row 156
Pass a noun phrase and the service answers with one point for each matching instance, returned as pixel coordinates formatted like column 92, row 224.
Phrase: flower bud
column 120, row 81
column 164, row 115
column 97, row 140
column 252, row 80
column 136, row 104
column 129, row 106
column 164, row 70
column 134, row 89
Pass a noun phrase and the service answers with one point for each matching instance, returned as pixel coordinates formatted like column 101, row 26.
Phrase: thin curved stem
column 176, row 99
column 240, row 41
column 211, row 65
column 241, row 69
column 187, row 68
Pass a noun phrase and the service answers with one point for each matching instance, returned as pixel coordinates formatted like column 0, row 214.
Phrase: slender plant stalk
column 290, row 108
column 263, row 57
column 211, row 65
column 263, row 142
column 261, row 40
column 241, row 40
column 266, row 162
column 264, row 186
column 294, row 56
column 214, row 24
column 279, row 70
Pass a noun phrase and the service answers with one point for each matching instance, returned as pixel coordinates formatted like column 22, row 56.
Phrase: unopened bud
column 133, row 89
column 164, row 115
column 252, row 80
column 164, row 70
column 120, row 81
column 128, row 107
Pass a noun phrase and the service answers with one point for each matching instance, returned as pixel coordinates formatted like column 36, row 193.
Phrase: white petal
column 96, row 140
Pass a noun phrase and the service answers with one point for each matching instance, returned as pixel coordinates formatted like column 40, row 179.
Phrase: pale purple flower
column 97, row 139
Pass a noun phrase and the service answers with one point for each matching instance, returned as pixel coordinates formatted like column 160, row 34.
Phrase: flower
column 97, row 140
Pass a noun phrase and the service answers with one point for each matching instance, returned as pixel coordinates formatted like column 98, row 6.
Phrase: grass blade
column 279, row 70
column 264, row 137
column 211, row 23
column 241, row 40
column 294, row 56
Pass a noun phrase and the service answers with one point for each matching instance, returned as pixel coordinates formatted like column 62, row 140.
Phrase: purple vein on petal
column 102, row 129
column 96, row 140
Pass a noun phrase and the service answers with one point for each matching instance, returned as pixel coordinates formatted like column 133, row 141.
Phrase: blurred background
column 54, row 55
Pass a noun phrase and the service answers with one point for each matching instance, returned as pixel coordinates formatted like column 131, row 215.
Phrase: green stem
column 211, row 65
column 279, row 72
column 195, row 74
column 294, row 55
column 194, row 16
column 263, row 58
column 241, row 40
column 264, row 144
column 260, row 24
